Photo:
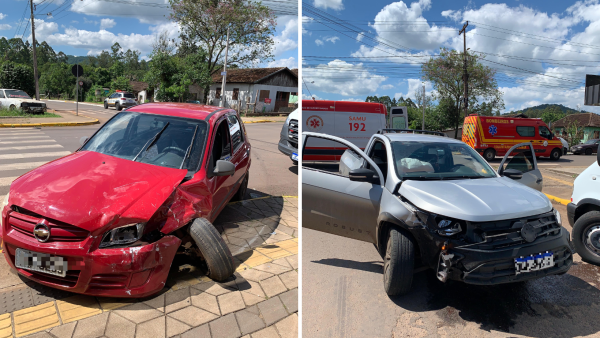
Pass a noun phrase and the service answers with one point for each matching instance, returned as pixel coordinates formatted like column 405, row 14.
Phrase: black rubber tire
column 295, row 162
column 588, row 151
column 398, row 263
column 241, row 193
column 489, row 154
column 555, row 154
column 12, row 107
column 581, row 225
column 118, row 106
column 565, row 151
column 105, row 105
column 213, row 248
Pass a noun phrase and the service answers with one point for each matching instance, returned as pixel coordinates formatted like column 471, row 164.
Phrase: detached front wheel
column 399, row 262
column 213, row 248
column 586, row 237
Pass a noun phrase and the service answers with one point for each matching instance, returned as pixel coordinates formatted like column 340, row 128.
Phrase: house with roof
column 589, row 122
column 262, row 89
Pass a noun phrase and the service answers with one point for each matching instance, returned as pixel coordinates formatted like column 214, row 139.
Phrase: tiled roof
column 583, row 120
column 138, row 86
column 247, row 75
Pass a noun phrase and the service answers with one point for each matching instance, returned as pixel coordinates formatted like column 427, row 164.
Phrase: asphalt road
column 22, row 150
column 568, row 160
column 87, row 109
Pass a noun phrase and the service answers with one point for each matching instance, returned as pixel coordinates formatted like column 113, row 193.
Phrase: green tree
column 446, row 74
column 17, row 76
column 56, row 79
column 121, row 83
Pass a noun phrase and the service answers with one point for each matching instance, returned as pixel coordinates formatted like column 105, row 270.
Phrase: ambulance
column 493, row 136
column 352, row 121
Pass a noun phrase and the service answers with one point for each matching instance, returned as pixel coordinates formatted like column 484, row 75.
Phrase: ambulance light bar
column 412, row 131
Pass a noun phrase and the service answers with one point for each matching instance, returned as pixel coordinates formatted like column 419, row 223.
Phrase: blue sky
column 543, row 49
column 86, row 27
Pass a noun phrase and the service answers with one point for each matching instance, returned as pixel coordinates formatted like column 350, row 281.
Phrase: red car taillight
column 123, row 98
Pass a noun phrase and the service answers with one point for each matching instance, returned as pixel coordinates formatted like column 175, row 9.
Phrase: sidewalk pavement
column 260, row 300
column 570, row 171
column 67, row 119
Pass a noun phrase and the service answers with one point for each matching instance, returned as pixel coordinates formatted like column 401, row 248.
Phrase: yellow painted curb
column 262, row 121
column 35, row 319
column 558, row 199
column 77, row 307
column 289, row 196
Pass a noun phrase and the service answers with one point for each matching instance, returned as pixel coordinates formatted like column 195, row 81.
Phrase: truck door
column 340, row 202
column 523, row 160
column 398, row 118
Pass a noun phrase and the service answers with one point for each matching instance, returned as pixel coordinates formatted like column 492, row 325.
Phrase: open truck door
column 522, row 167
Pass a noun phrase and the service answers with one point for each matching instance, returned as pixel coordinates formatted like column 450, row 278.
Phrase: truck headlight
column 4, row 203
column 557, row 215
column 126, row 234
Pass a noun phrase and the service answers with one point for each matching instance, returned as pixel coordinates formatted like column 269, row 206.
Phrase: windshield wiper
column 152, row 141
column 189, row 148
column 423, row 178
column 463, row 176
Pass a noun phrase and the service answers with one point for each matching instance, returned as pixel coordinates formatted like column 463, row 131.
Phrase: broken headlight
column 448, row 227
column 557, row 215
column 126, row 234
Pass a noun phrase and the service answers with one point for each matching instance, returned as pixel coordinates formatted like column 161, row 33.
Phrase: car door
column 241, row 154
column 525, row 161
column 331, row 202
column 220, row 186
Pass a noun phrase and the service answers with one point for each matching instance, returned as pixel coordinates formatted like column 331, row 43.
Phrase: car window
column 2, row 94
column 129, row 134
column 330, row 157
column 129, row 96
column 438, row 160
column 235, row 131
column 544, row 132
column 522, row 160
column 526, row 131
column 16, row 94
column 379, row 155
column 221, row 149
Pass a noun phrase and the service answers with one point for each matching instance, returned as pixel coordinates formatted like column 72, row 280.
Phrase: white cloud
column 387, row 86
column 91, row 22
column 360, row 36
column 343, row 78
column 290, row 62
column 454, row 15
column 413, row 85
column 319, row 42
column 107, row 23
column 144, row 13
column 5, row 26
column 2, row 16
column 325, row 4
column 332, row 39
column 43, row 29
column 289, row 36
column 306, row 20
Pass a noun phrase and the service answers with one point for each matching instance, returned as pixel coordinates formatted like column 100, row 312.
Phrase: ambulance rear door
column 398, row 118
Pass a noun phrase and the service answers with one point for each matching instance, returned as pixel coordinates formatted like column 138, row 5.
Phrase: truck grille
column 24, row 221
column 293, row 133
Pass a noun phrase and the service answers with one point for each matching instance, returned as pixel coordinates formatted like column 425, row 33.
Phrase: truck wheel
column 398, row 263
column 489, row 154
column 588, row 151
column 214, row 250
column 241, row 193
column 586, row 237
column 555, row 154
column 105, row 105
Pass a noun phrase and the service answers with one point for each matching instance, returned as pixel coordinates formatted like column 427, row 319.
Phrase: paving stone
column 251, row 299
column 15, row 298
column 290, row 279
column 108, row 303
column 35, row 319
column 77, row 307
column 288, row 327
column 177, row 300
column 290, row 300
column 91, row 327
column 138, row 312
column 272, row 268
column 119, row 327
column 231, row 302
column 198, row 332
column 65, row 330
column 249, row 320
column 175, row 327
column 255, row 275
column 193, row 316
column 40, row 335
column 154, row 328
column 283, row 262
column 225, row 327
column 214, row 288
column 269, row 332
column 157, row 302
column 6, row 329
column 43, row 294
column 293, row 260
column 206, row 302
column 273, row 286
column 251, row 287
column 272, row 310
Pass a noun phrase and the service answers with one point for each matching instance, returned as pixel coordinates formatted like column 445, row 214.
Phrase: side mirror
column 362, row 175
column 513, row 173
column 224, row 168
column 83, row 140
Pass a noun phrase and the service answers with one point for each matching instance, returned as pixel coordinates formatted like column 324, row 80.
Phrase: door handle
column 539, row 180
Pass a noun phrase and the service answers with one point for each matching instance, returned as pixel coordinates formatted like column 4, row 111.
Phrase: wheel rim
column 591, row 239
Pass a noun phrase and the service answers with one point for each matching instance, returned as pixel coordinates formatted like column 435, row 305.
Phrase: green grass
column 19, row 113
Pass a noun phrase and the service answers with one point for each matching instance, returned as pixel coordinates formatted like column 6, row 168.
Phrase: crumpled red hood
column 90, row 190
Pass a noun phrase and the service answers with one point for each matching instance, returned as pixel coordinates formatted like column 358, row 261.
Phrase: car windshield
column 16, row 94
column 438, row 161
column 132, row 135
column 591, row 141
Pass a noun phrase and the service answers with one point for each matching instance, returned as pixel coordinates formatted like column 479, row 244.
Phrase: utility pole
column 423, row 125
column 224, row 73
column 463, row 31
column 35, row 70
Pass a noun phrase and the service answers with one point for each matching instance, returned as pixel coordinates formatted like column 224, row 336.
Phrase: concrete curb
column 261, row 121
column 53, row 124
column 558, row 199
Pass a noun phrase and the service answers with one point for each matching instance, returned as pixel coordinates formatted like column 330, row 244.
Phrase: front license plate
column 36, row 261
column 537, row 262
column 294, row 157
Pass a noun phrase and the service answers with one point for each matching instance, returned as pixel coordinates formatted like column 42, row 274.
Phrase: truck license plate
column 294, row 157
column 41, row 262
column 537, row 262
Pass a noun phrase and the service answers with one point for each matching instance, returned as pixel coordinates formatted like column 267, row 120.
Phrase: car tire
column 295, row 162
column 118, row 107
column 565, row 151
column 241, row 193
column 555, row 154
column 12, row 107
column 580, row 228
column 213, row 248
column 489, row 154
column 105, row 105
column 399, row 262
column 588, row 151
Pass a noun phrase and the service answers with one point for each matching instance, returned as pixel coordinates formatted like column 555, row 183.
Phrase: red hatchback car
column 108, row 219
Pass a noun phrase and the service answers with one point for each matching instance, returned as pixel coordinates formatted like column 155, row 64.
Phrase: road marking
column 22, row 137
column 28, row 141
column 42, row 146
column 557, row 199
column 561, row 181
column 13, row 134
column 30, row 155
column 6, row 181
column 21, row 166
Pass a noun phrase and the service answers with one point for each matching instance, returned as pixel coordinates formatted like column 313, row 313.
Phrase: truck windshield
column 129, row 134
column 438, row 161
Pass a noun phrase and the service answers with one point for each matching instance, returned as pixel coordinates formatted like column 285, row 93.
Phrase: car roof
column 419, row 138
column 188, row 110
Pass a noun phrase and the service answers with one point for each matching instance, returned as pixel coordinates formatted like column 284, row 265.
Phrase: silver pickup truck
column 428, row 201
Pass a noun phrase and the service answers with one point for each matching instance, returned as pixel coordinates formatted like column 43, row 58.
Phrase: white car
column 18, row 99
column 565, row 145
column 120, row 100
